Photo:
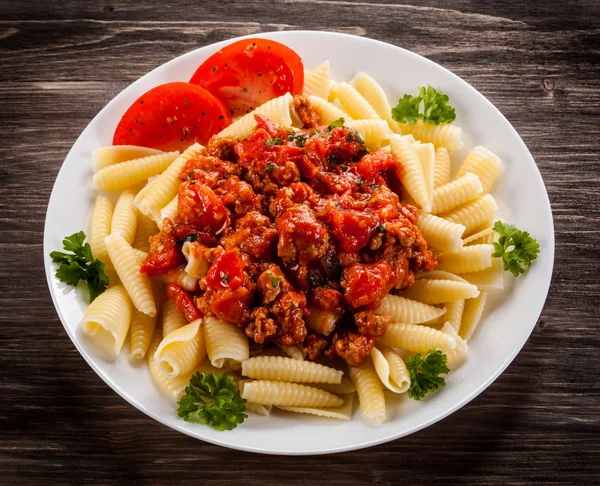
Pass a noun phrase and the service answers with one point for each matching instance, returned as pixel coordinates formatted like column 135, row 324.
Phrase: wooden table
column 62, row 61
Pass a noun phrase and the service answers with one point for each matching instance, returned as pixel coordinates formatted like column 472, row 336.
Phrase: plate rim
column 276, row 35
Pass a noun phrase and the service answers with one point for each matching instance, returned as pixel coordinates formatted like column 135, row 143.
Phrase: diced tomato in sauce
column 183, row 302
column 367, row 284
column 226, row 272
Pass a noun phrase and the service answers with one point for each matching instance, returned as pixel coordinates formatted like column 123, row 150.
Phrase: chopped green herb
column 359, row 182
column 337, row 123
column 225, row 279
column 431, row 106
column 213, row 399
column 299, row 138
column 275, row 282
column 381, row 228
column 80, row 264
column 270, row 166
column 273, row 141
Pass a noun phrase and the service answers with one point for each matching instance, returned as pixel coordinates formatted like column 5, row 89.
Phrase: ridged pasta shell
column 274, row 368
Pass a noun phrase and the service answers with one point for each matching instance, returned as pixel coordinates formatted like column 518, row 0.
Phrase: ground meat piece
column 371, row 324
column 301, row 236
column 231, row 306
column 271, row 283
column 403, row 276
column 329, row 299
column 262, row 327
column 238, row 196
column 353, row 348
column 314, row 346
column 289, row 311
column 307, row 115
column 223, row 148
column 286, row 197
column 400, row 231
column 254, row 235
column 209, row 170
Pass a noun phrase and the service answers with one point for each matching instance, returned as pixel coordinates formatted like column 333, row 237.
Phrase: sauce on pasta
column 302, row 233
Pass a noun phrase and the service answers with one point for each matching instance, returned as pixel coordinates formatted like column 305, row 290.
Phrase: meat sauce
column 304, row 233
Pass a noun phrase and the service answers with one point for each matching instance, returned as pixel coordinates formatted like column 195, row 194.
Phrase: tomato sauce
column 304, row 226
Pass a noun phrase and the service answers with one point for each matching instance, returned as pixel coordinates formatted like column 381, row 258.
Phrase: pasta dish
column 273, row 238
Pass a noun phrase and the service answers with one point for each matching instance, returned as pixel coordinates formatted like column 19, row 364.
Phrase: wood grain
column 538, row 62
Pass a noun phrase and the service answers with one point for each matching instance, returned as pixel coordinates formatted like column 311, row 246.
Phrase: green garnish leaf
column 213, row 399
column 270, row 166
column 70, row 273
column 80, row 264
column 431, row 106
column 275, row 282
column 516, row 248
column 425, row 371
column 97, row 280
column 225, row 278
column 381, row 228
column 336, row 123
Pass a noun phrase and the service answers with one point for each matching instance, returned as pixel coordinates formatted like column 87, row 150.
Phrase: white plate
column 494, row 346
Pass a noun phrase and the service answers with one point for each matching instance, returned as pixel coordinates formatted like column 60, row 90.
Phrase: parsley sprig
column 213, row 399
column 516, row 248
column 425, row 371
column 80, row 264
column 431, row 106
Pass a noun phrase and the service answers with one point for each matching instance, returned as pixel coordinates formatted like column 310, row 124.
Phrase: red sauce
column 296, row 223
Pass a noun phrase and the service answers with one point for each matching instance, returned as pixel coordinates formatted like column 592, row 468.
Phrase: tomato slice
column 172, row 116
column 183, row 302
column 250, row 72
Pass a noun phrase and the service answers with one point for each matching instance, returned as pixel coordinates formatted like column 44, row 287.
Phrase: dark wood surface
column 62, row 61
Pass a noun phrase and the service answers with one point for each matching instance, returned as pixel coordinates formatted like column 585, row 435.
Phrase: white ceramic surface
column 501, row 335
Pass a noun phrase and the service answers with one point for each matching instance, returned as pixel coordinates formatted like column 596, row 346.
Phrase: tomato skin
column 164, row 254
column 226, row 272
column 367, row 284
column 250, row 72
column 231, row 305
column 198, row 206
column 353, row 229
column 172, row 116
column 372, row 164
column 183, row 302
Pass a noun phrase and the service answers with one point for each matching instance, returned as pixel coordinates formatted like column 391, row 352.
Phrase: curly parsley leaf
column 516, row 248
column 80, row 264
column 213, row 399
column 425, row 371
column 431, row 106
column 336, row 123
